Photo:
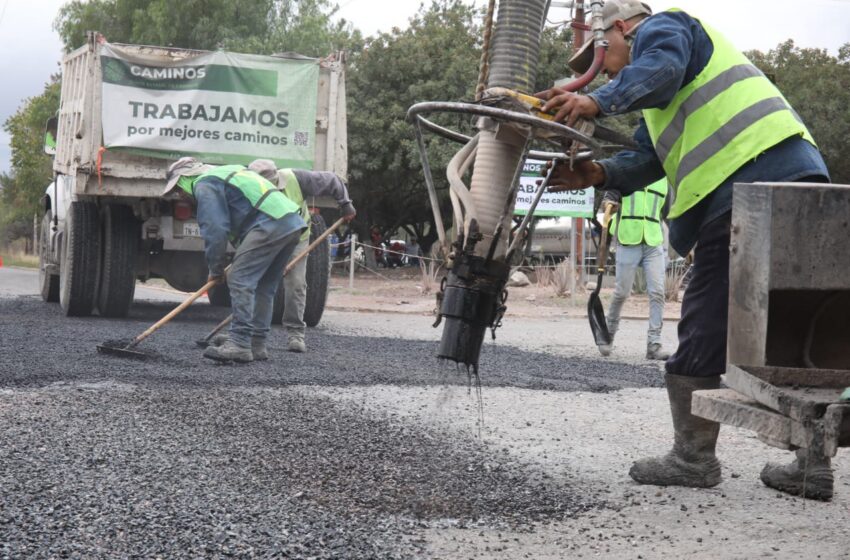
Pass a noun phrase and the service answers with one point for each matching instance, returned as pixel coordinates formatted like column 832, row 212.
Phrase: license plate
column 191, row 229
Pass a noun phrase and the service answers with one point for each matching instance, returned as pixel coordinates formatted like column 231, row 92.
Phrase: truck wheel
column 120, row 240
column 219, row 296
column 318, row 273
column 48, row 281
column 79, row 262
column 278, row 306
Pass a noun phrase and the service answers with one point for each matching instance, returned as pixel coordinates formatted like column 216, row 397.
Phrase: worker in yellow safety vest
column 710, row 119
column 637, row 229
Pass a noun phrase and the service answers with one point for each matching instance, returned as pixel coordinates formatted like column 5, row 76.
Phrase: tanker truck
column 126, row 113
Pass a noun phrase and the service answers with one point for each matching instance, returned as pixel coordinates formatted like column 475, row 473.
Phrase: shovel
column 129, row 351
column 204, row 342
column 595, row 312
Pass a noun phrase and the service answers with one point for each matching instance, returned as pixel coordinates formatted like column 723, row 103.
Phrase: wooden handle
column 313, row 245
column 602, row 255
column 174, row 312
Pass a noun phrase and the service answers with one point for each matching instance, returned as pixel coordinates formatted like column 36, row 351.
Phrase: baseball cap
column 185, row 166
column 612, row 10
column 264, row 167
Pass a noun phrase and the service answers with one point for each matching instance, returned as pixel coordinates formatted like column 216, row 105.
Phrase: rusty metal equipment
column 472, row 295
column 789, row 317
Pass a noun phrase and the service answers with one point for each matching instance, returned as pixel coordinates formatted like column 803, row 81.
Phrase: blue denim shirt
column 224, row 211
column 669, row 50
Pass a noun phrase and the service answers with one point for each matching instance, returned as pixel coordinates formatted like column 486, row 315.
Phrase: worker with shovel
column 238, row 205
column 637, row 228
column 710, row 119
column 298, row 185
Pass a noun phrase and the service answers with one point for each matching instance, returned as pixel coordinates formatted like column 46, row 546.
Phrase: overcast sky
column 30, row 50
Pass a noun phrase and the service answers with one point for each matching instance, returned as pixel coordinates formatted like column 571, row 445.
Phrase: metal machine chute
column 509, row 121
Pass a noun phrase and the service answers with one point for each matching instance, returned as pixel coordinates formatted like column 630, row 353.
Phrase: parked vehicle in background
column 126, row 113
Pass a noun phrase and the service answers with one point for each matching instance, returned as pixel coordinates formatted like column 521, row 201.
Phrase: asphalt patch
column 181, row 457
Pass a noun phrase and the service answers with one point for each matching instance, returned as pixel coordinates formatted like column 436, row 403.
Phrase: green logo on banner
column 210, row 77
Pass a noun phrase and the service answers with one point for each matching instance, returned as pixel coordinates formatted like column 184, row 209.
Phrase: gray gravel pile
column 102, row 457
column 101, row 470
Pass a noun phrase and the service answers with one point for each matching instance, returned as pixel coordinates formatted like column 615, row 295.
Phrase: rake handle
column 174, row 312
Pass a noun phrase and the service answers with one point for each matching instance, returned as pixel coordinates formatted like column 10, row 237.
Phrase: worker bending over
column 298, row 185
column 238, row 205
column 710, row 119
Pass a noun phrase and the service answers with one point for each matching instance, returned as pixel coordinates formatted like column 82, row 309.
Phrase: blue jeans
column 629, row 258
column 254, row 277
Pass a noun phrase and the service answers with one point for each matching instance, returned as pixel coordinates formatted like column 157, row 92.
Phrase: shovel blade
column 596, row 316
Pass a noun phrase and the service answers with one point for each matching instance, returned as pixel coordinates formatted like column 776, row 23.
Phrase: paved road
column 365, row 447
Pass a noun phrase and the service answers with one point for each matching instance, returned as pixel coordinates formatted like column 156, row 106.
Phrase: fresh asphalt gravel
column 177, row 456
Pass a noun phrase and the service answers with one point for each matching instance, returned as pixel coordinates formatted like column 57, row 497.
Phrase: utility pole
column 578, row 223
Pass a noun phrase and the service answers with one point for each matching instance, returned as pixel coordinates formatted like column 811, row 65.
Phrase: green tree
column 818, row 87
column 434, row 59
column 255, row 26
column 31, row 169
column 193, row 24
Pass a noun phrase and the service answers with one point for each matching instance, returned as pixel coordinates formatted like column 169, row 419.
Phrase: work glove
column 348, row 212
column 568, row 107
column 583, row 174
column 613, row 198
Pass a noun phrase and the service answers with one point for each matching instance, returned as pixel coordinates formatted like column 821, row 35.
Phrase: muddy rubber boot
column 793, row 478
column 691, row 462
column 654, row 351
column 296, row 344
column 258, row 349
column 229, row 352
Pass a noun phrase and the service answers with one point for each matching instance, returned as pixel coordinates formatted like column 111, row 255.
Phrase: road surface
column 365, row 447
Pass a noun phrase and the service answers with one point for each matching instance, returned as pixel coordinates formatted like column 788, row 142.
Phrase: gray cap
column 183, row 167
column 612, row 10
column 264, row 167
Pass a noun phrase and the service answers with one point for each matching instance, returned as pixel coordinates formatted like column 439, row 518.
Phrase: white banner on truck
column 220, row 107
column 577, row 204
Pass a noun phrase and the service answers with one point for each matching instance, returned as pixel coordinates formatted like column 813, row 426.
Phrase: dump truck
column 126, row 113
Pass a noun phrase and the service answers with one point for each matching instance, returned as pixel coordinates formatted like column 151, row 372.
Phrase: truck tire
column 79, row 263
column 318, row 273
column 49, row 282
column 120, row 242
column 219, row 295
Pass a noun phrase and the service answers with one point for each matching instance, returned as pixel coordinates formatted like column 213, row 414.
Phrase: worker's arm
column 214, row 222
column 631, row 170
column 325, row 183
column 661, row 52
column 625, row 172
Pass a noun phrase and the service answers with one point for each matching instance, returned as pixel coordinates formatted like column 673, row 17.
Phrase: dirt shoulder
column 404, row 290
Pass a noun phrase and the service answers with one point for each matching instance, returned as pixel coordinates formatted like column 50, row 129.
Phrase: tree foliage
column 818, row 87
column 435, row 58
column 254, row 26
column 31, row 168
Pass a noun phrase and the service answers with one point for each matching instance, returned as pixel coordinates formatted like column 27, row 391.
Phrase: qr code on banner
column 302, row 138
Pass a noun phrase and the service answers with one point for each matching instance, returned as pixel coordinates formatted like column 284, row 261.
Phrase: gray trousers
column 629, row 258
column 295, row 298
column 254, row 277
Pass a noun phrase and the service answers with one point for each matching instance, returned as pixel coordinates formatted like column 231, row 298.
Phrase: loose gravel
column 177, row 456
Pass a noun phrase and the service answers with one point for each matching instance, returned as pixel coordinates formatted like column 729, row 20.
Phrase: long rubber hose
column 513, row 65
